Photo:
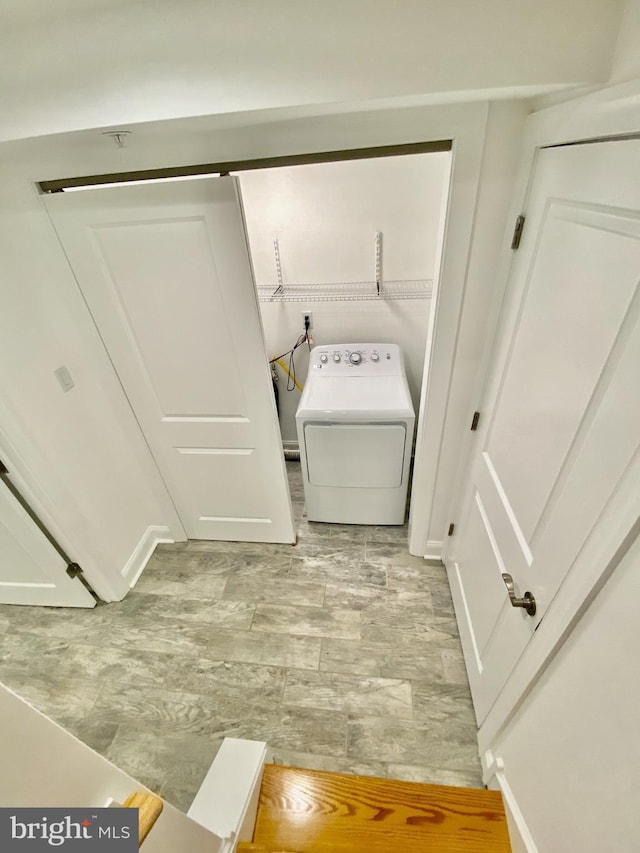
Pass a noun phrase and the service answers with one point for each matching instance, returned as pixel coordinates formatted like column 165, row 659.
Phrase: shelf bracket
column 279, row 291
column 378, row 262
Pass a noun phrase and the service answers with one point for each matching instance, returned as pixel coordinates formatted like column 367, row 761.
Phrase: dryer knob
column 355, row 358
column 336, row 357
column 323, row 358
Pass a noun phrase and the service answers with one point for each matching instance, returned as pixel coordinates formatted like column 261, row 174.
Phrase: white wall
column 81, row 450
column 572, row 751
column 325, row 217
column 74, row 65
column 625, row 61
column 626, row 58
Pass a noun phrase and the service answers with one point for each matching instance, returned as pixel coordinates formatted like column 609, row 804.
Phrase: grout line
column 290, row 566
column 346, row 738
column 284, row 685
column 253, row 616
column 413, row 709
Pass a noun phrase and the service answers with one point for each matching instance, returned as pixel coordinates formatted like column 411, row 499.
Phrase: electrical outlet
column 307, row 316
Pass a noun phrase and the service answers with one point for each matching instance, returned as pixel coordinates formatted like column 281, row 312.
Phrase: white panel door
column 166, row 273
column 560, row 427
column 31, row 570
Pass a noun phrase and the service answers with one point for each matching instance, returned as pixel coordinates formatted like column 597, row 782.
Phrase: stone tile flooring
column 341, row 652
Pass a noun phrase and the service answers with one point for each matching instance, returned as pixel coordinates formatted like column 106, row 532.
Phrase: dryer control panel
column 357, row 360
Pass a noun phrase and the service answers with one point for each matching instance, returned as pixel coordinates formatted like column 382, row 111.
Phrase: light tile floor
column 341, row 652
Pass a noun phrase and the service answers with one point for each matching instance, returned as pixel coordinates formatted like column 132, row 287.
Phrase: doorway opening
column 345, row 254
column 361, row 236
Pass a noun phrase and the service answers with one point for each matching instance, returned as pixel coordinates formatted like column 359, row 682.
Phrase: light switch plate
column 64, row 378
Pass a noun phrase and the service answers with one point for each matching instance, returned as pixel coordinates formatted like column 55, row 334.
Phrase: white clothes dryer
column 355, row 426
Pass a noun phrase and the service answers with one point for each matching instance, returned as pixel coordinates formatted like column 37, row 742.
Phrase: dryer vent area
column 355, row 246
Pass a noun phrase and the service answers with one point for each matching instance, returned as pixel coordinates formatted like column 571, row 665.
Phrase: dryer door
column 365, row 456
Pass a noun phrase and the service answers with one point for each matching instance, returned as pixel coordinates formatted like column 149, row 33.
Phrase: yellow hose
column 286, row 370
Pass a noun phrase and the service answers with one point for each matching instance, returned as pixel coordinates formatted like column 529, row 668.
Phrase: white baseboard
column 153, row 535
column 227, row 802
column 434, row 550
column 519, row 834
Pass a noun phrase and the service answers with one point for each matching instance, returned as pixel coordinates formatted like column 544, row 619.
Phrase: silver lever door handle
column 527, row 601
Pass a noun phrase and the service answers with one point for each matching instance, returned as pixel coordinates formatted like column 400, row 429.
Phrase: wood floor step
column 313, row 811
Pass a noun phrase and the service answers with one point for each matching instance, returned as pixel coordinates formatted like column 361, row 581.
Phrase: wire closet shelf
column 353, row 291
column 378, row 289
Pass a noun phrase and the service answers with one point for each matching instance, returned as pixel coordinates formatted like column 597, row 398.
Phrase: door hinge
column 474, row 421
column 3, row 468
column 452, row 527
column 73, row 570
column 517, row 232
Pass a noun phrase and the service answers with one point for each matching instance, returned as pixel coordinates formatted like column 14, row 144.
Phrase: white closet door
column 166, row 273
column 553, row 488
column 31, row 570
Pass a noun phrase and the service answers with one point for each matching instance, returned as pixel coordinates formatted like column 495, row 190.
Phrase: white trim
column 227, row 801
column 463, row 313
column 490, row 765
column 135, row 565
column 444, row 318
column 519, row 834
column 215, row 451
column 235, row 518
column 434, row 550
column 612, row 111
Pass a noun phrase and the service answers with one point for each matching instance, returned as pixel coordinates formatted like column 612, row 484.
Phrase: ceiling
column 68, row 65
